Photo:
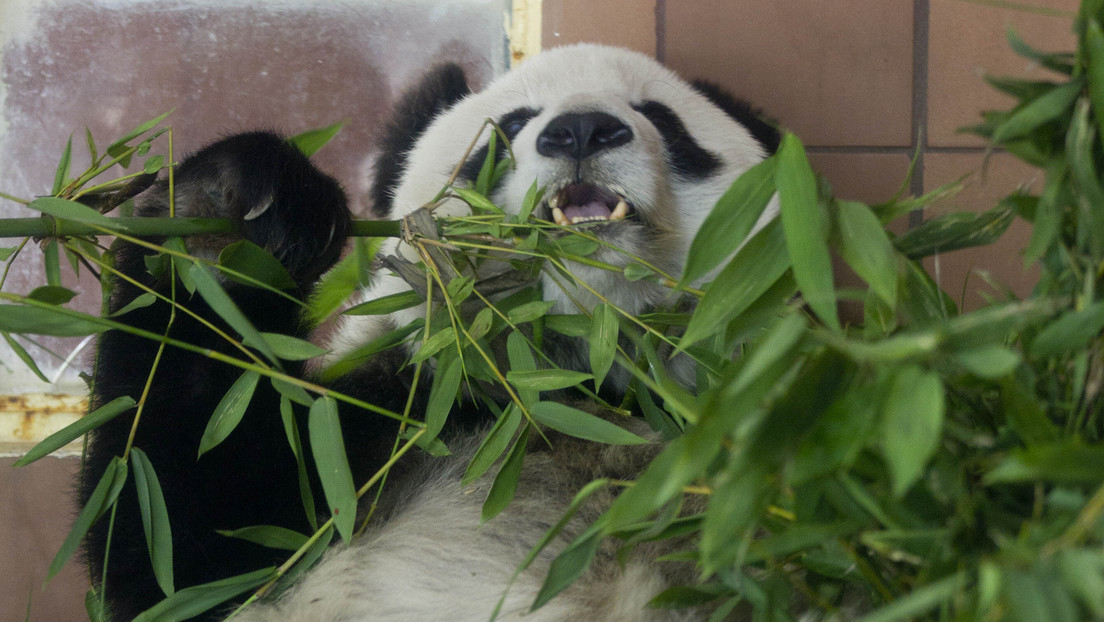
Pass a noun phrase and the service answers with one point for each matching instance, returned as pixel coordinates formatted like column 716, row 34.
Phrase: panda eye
column 512, row 123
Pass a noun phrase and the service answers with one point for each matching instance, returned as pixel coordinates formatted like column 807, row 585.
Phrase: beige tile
column 837, row 73
column 866, row 177
column 625, row 23
column 967, row 41
column 869, row 178
column 35, row 516
column 958, row 272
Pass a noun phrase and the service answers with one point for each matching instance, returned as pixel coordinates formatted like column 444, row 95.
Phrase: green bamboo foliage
column 926, row 464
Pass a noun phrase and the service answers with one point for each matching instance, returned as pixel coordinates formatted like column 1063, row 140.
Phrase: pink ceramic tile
column 836, row 73
column 625, row 23
column 35, row 515
column 968, row 41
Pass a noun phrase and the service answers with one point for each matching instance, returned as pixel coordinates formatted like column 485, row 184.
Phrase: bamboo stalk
column 46, row 226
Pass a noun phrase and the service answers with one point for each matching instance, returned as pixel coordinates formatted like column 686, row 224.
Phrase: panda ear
column 438, row 91
column 763, row 130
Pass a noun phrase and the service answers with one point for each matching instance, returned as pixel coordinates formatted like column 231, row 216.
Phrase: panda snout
column 578, row 135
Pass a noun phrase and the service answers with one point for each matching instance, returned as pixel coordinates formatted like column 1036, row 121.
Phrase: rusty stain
column 42, row 404
column 31, row 417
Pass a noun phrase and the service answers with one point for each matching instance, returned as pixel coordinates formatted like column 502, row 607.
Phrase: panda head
column 616, row 140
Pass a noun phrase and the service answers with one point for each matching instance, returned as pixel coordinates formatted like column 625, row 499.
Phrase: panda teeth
column 559, row 218
column 620, row 211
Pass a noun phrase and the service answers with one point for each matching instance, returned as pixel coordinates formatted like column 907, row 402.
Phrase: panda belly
column 431, row 558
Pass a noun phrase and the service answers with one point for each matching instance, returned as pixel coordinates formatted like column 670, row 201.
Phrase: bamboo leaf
column 992, row 361
column 246, row 258
column 1038, row 111
column 919, row 601
column 291, row 430
column 270, row 536
column 224, row 306
column 26, row 320
column 291, row 348
column 442, row 394
column 546, row 379
column 51, row 263
column 77, row 429
column 434, row 344
column 521, row 361
column 1065, row 461
column 386, row 304
column 1069, row 332
column 567, row 567
column 603, row 341
column 338, row 284
column 865, row 247
column 478, row 202
column 806, row 235
column 574, row 422
column 153, row 164
column 192, row 601
column 532, row 197
column 311, row 141
column 731, row 219
column 505, row 483
column 494, row 443
column 751, row 273
column 24, row 356
column 481, row 325
column 103, row 495
column 136, row 132
column 62, row 172
column 70, row 210
column 229, row 411
column 912, row 425
column 1094, row 48
column 328, row 448
column 155, row 520
column 140, row 301
column 529, row 311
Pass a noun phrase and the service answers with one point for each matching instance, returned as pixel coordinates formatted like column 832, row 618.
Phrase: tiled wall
column 863, row 82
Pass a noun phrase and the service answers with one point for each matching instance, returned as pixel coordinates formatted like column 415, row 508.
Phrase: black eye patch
column 687, row 157
column 511, row 124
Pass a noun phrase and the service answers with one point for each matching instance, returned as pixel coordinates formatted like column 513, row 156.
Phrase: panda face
column 620, row 145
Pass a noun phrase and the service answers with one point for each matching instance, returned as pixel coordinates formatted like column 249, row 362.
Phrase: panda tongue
column 587, row 210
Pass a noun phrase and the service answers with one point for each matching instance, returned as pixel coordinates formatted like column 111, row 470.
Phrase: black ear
column 438, row 91
column 761, row 129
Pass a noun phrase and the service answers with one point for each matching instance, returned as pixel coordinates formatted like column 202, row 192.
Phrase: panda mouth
column 580, row 203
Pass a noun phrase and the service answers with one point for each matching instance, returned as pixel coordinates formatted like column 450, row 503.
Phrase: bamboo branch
column 47, row 226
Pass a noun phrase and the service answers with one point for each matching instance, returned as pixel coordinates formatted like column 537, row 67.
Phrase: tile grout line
column 921, row 28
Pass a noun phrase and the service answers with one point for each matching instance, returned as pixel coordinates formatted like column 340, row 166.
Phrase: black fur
column 511, row 124
column 438, row 91
column 251, row 478
column 763, row 130
column 685, row 155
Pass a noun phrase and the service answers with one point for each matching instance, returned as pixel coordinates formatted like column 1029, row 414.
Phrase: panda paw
column 274, row 195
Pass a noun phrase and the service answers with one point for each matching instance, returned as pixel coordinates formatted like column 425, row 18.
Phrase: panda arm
column 251, row 478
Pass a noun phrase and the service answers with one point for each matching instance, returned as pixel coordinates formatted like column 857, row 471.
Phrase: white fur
column 586, row 78
column 433, row 561
column 431, row 558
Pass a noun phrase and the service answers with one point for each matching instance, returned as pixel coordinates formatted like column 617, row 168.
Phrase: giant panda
column 618, row 143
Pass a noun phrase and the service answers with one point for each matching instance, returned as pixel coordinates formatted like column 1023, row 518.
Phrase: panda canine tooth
column 554, row 201
column 559, row 218
column 620, row 211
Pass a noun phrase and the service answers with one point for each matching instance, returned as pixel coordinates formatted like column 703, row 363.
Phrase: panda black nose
column 577, row 135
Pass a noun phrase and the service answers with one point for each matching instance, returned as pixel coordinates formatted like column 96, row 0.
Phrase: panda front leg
column 282, row 203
